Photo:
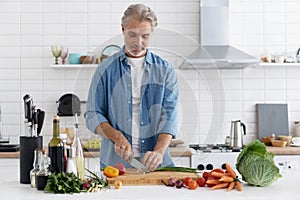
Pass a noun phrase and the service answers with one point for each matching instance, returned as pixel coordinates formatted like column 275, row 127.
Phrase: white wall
column 29, row 27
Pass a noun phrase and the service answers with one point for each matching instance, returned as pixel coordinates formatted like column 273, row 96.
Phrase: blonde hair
column 141, row 13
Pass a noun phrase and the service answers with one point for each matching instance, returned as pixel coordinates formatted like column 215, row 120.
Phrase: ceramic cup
column 296, row 140
column 286, row 138
column 279, row 59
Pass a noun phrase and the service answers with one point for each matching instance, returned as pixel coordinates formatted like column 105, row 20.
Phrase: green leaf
column 256, row 165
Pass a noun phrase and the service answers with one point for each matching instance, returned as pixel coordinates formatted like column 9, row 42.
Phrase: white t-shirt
column 137, row 71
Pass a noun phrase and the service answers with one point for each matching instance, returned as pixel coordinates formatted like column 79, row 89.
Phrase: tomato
column 187, row 180
column 205, row 175
column 192, row 185
column 121, row 168
column 201, row 181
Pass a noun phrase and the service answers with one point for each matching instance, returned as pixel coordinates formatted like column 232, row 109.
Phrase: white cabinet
column 184, row 161
column 92, row 163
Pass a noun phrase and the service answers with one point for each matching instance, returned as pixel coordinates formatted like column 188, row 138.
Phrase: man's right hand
column 123, row 148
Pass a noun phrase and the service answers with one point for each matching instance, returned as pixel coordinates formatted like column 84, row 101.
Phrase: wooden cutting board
column 133, row 177
column 272, row 118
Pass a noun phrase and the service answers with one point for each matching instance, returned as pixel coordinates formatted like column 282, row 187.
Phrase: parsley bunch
column 63, row 183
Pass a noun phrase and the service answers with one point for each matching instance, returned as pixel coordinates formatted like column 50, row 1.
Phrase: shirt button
column 129, row 85
column 129, row 120
column 143, row 141
column 142, row 123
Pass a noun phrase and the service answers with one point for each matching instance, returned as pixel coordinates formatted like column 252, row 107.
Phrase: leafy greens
column 256, row 165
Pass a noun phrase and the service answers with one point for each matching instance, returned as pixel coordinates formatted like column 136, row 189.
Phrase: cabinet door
column 11, row 168
column 182, row 161
column 93, row 164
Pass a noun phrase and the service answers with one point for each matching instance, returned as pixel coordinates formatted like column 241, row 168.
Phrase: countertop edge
column 174, row 152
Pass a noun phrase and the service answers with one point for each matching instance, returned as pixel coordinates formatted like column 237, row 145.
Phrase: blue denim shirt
column 110, row 100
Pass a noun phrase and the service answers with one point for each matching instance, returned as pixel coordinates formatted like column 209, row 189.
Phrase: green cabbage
column 256, row 165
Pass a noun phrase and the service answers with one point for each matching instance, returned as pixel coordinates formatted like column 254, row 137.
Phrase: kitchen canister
column 27, row 147
column 296, row 132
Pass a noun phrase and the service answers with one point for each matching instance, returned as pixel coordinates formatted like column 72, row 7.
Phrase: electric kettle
column 238, row 129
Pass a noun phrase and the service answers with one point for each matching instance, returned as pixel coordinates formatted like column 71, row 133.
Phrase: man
column 133, row 96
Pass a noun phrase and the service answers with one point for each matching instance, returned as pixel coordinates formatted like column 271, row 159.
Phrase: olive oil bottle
column 56, row 149
column 77, row 147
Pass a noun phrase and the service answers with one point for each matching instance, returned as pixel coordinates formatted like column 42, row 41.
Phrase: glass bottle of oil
column 78, row 151
column 42, row 175
column 36, row 166
column 56, row 149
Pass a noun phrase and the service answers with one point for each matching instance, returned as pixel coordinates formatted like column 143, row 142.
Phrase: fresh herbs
column 94, row 183
column 177, row 169
column 63, row 183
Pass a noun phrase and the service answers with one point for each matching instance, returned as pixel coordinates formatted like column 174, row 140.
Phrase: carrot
column 217, row 174
column 226, row 179
column 220, row 185
column 213, row 182
column 239, row 185
column 227, row 174
column 231, row 186
column 230, row 170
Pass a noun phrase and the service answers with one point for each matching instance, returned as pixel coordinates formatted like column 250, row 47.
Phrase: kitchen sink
column 9, row 147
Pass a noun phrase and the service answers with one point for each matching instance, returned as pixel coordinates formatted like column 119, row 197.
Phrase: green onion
column 177, row 169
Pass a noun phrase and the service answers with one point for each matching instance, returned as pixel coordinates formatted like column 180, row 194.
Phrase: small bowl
column 286, row 138
column 74, row 58
column 279, row 143
column 267, row 140
column 87, row 59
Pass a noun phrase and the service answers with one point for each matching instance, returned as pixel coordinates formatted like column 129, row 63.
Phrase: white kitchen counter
column 285, row 188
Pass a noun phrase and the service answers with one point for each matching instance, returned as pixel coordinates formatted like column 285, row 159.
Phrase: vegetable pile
column 227, row 179
column 256, row 165
column 215, row 179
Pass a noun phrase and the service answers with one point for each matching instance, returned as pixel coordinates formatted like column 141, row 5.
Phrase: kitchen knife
column 29, row 104
column 41, row 116
column 35, row 121
column 26, row 99
column 138, row 165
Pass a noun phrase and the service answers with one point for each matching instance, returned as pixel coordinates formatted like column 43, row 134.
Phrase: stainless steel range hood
column 214, row 50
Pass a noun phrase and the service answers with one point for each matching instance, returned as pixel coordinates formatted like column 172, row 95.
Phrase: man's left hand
column 152, row 159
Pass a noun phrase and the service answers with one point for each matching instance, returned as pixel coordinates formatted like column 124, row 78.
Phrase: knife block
column 27, row 147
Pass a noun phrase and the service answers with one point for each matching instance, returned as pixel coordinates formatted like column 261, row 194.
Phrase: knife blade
column 138, row 165
column 35, row 121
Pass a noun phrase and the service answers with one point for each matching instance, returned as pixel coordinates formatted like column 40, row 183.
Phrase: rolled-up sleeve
column 96, row 110
column 168, row 121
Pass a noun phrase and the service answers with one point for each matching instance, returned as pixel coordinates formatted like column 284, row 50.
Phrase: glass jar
column 296, row 129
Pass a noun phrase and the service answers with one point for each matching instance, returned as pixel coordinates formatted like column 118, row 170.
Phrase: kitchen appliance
column 238, row 129
column 210, row 156
column 214, row 50
column 68, row 104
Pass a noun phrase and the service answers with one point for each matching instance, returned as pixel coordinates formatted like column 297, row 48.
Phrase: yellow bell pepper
column 110, row 171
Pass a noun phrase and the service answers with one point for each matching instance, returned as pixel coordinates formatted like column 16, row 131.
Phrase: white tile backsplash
column 30, row 27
